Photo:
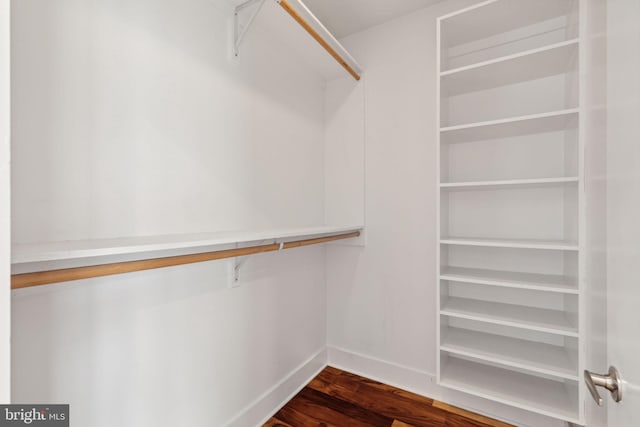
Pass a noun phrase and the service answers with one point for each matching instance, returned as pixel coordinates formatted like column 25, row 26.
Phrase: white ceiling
column 344, row 17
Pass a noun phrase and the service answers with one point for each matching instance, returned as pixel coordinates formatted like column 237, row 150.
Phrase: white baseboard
column 265, row 406
column 395, row 375
column 424, row 383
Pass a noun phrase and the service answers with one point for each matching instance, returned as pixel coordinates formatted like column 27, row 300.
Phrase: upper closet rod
column 307, row 20
column 312, row 31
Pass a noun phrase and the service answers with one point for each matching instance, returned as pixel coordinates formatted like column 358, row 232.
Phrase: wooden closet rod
column 309, row 29
column 26, row 280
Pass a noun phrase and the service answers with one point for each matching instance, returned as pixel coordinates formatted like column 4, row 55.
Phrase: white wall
column 344, row 152
column 130, row 120
column 381, row 297
column 5, row 204
column 143, row 126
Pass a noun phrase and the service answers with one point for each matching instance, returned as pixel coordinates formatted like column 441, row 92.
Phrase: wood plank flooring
column 337, row 398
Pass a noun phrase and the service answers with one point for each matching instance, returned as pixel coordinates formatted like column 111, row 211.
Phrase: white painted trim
column 5, row 202
column 277, row 396
column 424, row 383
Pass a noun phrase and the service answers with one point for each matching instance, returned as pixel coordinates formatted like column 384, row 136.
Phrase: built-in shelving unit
column 510, row 182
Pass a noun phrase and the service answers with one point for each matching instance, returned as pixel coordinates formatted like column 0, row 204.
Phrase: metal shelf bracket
column 238, row 262
column 240, row 31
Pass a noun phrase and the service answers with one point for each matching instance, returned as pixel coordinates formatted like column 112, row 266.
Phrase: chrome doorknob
column 611, row 382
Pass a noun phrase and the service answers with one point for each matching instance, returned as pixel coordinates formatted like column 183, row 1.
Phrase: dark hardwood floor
column 337, row 398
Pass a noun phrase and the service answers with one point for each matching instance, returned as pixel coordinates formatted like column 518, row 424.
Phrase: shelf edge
column 512, row 183
column 523, row 366
column 514, row 324
column 506, row 58
column 557, row 113
column 515, row 245
column 507, row 284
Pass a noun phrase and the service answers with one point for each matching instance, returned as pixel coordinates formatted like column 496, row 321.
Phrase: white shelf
column 555, row 121
column 508, row 279
column 537, row 182
column 518, row 353
column 529, row 65
column 511, row 126
column 490, row 18
column 552, row 398
column 557, row 245
column 194, row 243
column 519, row 316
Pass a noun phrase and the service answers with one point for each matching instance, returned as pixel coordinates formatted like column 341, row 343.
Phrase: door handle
column 610, row 381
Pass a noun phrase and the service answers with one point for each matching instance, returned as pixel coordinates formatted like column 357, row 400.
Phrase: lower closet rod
column 26, row 280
